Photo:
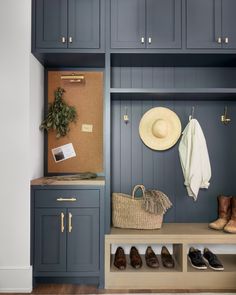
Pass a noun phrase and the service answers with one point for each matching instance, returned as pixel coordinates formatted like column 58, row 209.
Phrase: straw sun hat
column 160, row 128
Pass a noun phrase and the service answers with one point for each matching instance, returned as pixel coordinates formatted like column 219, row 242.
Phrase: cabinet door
column 51, row 23
column 50, row 240
column 83, row 240
column 203, row 23
column 163, row 18
column 84, row 24
column 229, row 24
column 128, row 24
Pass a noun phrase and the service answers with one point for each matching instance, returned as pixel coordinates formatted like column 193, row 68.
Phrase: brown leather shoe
column 151, row 258
column 120, row 259
column 231, row 225
column 135, row 258
column 166, row 258
column 224, row 213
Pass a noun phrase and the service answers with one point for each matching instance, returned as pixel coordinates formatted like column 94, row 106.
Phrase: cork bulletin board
column 87, row 98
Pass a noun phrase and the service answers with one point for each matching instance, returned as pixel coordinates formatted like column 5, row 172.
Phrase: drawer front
column 67, row 198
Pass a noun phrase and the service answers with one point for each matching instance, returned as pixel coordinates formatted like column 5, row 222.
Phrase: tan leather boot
column 231, row 225
column 224, row 213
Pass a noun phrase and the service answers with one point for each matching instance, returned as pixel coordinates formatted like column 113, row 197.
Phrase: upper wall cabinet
column 128, row 23
column 163, row 19
column 67, row 24
column 211, row 24
column 229, row 24
column 146, row 24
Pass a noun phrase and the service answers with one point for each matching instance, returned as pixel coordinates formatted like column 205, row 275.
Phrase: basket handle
column 136, row 188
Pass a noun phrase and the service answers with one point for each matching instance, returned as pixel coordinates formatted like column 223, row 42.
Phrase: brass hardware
column 219, row 40
column 66, row 199
column 73, row 78
column 226, row 40
column 149, row 40
column 63, row 39
column 126, row 117
column 70, row 40
column 62, row 222
column 70, row 223
column 142, row 40
column 224, row 118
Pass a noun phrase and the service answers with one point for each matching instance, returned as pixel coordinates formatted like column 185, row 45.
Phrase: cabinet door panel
column 50, row 242
column 163, row 20
column 51, row 23
column 127, row 23
column 229, row 23
column 203, row 23
column 83, row 240
column 84, row 23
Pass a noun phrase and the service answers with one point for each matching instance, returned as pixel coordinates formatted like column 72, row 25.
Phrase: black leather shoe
column 196, row 259
column 212, row 260
column 120, row 259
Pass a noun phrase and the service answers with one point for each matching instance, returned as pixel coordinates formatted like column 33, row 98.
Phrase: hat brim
column 174, row 128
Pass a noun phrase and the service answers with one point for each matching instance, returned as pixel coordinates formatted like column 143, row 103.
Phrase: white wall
column 36, row 116
column 15, row 160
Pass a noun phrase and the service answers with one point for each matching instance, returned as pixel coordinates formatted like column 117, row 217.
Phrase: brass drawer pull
column 62, row 222
column 66, row 199
column 70, row 223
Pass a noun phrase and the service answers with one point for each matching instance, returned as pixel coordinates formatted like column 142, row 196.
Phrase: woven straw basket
column 127, row 212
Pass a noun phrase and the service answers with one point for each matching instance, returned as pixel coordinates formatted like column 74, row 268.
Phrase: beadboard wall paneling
column 134, row 163
column 172, row 77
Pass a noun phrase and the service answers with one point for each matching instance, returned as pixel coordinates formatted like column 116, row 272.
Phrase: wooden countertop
column 51, row 181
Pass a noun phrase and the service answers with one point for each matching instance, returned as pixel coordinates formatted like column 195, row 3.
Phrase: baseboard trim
column 16, row 279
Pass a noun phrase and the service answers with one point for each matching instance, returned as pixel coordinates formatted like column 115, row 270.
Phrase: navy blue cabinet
column 67, row 239
column 163, row 19
column 83, row 239
column 211, row 24
column 84, row 23
column 50, row 239
column 229, row 24
column 145, row 23
column 128, row 24
column 68, row 232
column 67, row 24
column 51, row 23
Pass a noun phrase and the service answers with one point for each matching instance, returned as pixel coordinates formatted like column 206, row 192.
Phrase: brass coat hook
column 224, row 118
column 126, row 117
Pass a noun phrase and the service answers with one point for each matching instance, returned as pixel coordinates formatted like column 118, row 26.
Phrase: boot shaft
column 233, row 212
column 224, row 207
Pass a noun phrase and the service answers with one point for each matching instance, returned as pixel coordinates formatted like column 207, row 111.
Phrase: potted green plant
column 59, row 116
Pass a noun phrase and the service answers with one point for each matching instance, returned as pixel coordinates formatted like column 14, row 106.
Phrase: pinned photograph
column 63, row 152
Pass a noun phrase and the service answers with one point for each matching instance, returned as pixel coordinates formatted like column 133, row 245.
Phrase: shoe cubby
column 228, row 258
column 174, row 250
column 179, row 237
